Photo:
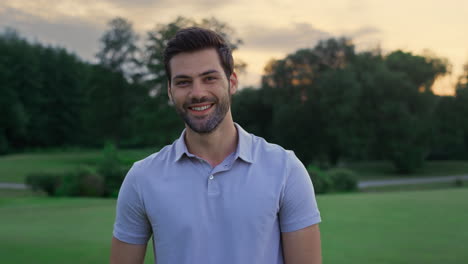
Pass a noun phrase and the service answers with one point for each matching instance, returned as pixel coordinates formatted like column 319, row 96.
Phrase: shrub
column 81, row 182
column 112, row 170
column 47, row 182
column 343, row 180
column 322, row 183
column 458, row 182
column 408, row 159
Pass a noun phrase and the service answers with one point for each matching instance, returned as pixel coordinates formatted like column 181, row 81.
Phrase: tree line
column 328, row 103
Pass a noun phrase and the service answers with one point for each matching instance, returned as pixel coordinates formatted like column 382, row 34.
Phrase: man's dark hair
column 194, row 39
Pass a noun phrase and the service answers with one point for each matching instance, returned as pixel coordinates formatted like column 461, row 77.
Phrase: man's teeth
column 201, row 108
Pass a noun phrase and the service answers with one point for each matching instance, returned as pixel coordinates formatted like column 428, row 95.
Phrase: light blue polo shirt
column 232, row 213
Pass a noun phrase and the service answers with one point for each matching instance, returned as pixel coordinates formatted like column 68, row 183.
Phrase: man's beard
column 212, row 120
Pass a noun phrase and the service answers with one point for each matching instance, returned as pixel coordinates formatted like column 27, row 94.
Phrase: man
column 217, row 194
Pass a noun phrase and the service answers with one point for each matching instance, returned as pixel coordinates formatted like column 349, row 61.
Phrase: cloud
column 365, row 38
column 57, row 10
column 367, row 31
column 76, row 35
column 201, row 4
column 299, row 35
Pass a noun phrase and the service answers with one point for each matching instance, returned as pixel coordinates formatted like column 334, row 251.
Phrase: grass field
column 398, row 227
column 15, row 168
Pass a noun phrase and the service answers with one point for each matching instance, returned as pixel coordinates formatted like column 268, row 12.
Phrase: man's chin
column 202, row 126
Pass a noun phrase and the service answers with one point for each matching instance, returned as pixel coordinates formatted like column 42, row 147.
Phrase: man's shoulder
column 156, row 159
column 265, row 150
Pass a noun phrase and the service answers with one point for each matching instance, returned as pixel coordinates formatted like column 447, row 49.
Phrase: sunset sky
column 269, row 28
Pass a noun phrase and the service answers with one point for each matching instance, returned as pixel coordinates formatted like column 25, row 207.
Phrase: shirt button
column 211, row 177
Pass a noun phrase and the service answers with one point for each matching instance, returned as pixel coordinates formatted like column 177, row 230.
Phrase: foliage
column 461, row 108
column 447, row 142
column 322, row 183
column 112, row 170
column 104, row 181
column 343, row 180
column 250, row 100
column 80, row 182
column 119, row 51
column 35, row 83
column 332, row 180
column 47, row 182
column 331, row 102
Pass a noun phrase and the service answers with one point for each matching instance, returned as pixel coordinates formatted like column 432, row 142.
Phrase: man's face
column 200, row 89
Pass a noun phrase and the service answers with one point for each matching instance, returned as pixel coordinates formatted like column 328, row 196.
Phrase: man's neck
column 213, row 147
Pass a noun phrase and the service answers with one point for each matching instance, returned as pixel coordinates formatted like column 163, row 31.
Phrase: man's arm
column 302, row 246
column 124, row 253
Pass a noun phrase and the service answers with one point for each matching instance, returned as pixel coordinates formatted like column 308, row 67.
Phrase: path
column 16, row 186
column 408, row 181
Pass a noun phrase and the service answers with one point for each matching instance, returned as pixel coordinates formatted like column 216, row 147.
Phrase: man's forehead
column 195, row 63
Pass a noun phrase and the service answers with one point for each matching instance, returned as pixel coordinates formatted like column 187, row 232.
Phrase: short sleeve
column 298, row 207
column 131, row 223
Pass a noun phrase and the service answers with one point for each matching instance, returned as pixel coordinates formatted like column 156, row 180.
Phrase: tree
column 253, row 111
column 448, row 140
column 289, row 78
column 313, row 92
column 335, row 99
column 461, row 107
column 119, row 50
column 422, row 71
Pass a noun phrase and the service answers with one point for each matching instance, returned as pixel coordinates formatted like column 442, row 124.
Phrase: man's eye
column 182, row 82
column 210, row 78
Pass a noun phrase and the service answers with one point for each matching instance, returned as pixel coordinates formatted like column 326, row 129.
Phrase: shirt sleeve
column 298, row 207
column 131, row 222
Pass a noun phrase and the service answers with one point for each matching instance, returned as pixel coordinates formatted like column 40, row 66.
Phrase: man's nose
column 198, row 90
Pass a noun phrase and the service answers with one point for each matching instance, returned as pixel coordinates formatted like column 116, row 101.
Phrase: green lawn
column 398, row 227
column 52, row 230
column 374, row 170
column 15, row 168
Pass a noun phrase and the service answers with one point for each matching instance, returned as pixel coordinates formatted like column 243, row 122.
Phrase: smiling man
column 217, row 194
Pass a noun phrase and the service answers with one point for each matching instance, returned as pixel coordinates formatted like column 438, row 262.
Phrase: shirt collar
column 243, row 150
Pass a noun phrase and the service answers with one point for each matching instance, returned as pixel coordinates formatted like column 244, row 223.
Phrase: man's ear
column 169, row 91
column 233, row 83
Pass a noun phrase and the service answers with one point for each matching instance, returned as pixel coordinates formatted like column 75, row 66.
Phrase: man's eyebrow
column 208, row 72
column 183, row 76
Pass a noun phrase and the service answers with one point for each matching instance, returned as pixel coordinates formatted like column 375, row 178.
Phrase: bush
column 47, row 182
column 81, row 182
column 105, row 181
column 408, row 160
column 343, row 180
column 112, row 170
column 322, row 183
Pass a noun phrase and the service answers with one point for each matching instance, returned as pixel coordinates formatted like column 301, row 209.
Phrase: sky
column 270, row 29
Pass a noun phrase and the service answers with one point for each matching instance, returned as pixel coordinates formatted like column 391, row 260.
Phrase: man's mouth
column 200, row 108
